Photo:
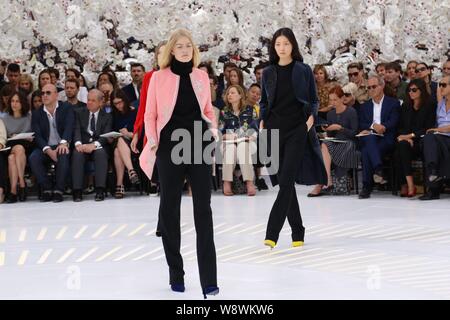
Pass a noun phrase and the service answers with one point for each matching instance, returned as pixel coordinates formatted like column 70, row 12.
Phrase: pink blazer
column 161, row 98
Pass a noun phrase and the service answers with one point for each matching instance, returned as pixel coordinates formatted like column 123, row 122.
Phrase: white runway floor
column 380, row 248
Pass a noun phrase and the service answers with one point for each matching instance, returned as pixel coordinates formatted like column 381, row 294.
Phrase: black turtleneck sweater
column 287, row 112
column 187, row 109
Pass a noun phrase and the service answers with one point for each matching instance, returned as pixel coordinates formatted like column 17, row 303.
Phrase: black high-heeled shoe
column 210, row 291
column 22, row 194
column 12, row 198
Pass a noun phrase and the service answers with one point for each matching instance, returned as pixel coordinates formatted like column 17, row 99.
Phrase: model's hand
column 310, row 123
column 133, row 144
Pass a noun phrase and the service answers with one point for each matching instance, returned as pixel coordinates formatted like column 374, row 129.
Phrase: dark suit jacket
column 390, row 114
column 65, row 120
column 312, row 170
column 103, row 125
column 130, row 93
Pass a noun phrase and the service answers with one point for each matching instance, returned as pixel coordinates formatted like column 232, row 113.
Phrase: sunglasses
column 347, row 94
column 353, row 74
column 413, row 89
column 421, row 69
column 443, row 85
column 372, row 87
column 46, row 93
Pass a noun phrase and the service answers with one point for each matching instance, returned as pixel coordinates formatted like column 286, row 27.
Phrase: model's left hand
column 310, row 122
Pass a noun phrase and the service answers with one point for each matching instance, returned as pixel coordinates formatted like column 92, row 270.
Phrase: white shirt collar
column 380, row 103
column 46, row 110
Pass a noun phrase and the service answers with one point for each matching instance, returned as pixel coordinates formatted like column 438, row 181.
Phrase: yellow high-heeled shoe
column 297, row 243
column 270, row 243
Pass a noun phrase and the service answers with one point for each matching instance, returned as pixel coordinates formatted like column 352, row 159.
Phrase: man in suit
column 53, row 128
column 436, row 145
column 89, row 125
column 379, row 115
column 13, row 76
column 134, row 88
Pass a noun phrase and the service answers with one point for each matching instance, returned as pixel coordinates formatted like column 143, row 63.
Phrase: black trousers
column 431, row 149
column 38, row 162
column 436, row 150
column 292, row 146
column 171, row 178
column 3, row 167
column 404, row 155
column 100, row 158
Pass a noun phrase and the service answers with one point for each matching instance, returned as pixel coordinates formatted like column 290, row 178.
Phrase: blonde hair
column 27, row 77
column 241, row 92
column 158, row 47
column 167, row 56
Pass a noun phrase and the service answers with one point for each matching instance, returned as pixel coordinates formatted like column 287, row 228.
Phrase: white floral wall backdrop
column 92, row 34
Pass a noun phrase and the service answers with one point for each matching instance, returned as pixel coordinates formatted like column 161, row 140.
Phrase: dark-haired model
column 289, row 104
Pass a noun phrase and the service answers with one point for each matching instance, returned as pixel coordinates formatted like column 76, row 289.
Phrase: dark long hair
column 24, row 105
column 289, row 34
column 425, row 98
column 120, row 94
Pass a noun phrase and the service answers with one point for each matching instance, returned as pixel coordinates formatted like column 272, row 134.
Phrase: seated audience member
column 13, row 76
column 342, row 125
column 253, row 97
column 380, row 69
column 436, row 145
column 133, row 90
column 124, row 117
column 356, row 75
column 53, row 128
column 410, row 70
column 36, row 100
column 236, row 77
column 71, row 90
column 424, row 72
column 393, row 79
column 90, row 124
column 5, row 93
column 446, row 69
column 238, row 123
column 26, row 84
column 324, row 86
column 106, row 89
column 74, row 74
column 349, row 96
column 3, row 166
column 417, row 115
column 258, row 71
column 54, row 75
column 17, row 120
column 106, row 77
column 378, row 120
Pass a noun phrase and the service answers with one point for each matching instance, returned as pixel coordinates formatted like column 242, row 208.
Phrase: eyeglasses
column 421, row 69
column 46, row 93
column 443, row 85
column 353, row 74
column 347, row 94
column 372, row 87
column 413, row 89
